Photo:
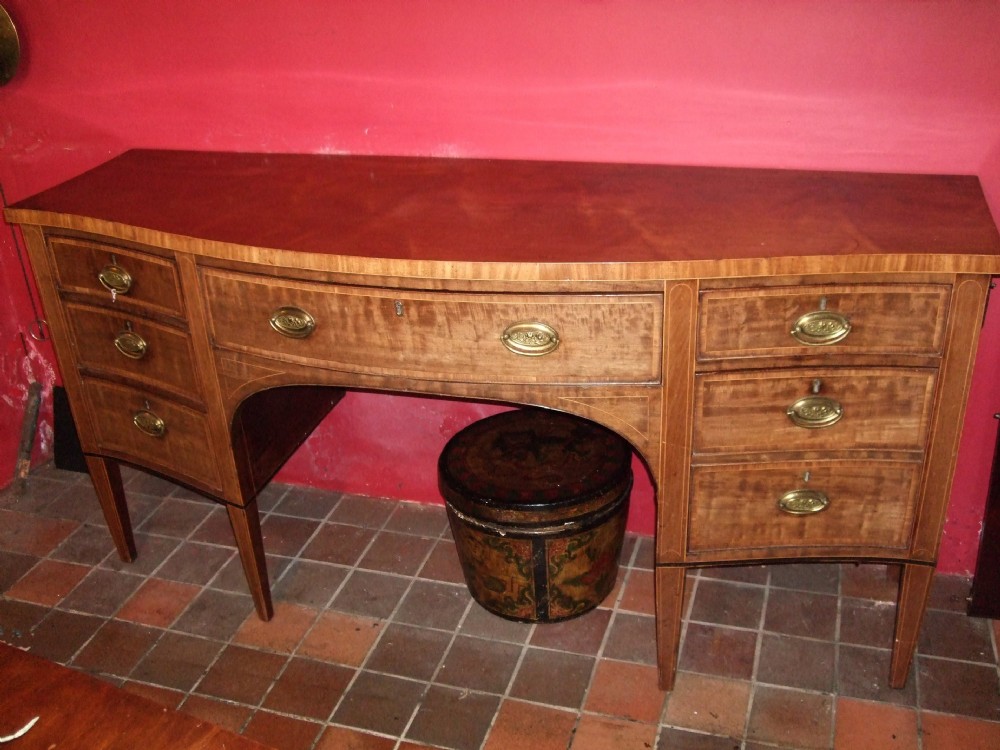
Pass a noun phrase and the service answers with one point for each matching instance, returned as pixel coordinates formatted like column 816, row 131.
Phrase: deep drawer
column 141, row 279
column 830, row 409
column 133, row 347
column 184, row 447
column 569, row 338
column 734, row 509
column 736, row 323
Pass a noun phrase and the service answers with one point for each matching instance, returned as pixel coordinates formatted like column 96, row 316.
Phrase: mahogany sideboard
column 789, row 352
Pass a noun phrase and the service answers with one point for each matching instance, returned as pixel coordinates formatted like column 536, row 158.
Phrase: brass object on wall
column 10, row 48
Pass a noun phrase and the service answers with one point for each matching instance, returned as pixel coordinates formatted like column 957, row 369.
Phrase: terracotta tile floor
column 376, row 643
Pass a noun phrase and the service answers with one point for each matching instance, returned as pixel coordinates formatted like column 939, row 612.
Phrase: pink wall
column 894, row 85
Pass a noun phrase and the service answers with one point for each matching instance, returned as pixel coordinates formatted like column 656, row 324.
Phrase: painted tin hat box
column 537, row 502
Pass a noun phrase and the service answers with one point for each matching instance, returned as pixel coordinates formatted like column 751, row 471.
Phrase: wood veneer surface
column 77, row 711
column 522, row 211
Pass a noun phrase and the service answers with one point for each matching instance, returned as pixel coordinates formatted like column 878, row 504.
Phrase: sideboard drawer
column 156, row 432
column 141, row 279
column 130, row 346
column 568, row 338
column 813, row 409
column 859, row 319
column 735, row 508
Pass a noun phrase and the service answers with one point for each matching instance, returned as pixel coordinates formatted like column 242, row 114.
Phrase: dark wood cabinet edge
column 984, row 600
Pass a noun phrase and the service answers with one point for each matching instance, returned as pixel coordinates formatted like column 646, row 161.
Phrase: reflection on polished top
column 500, row 211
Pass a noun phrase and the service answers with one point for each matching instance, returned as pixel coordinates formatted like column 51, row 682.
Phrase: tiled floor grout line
column 510, row 680
column 190, row 691
column 298, row 558
column 918, row 707
column 290, row 656
column 144, row 577
column 526, row 644
column 204, row 587
column 437, row 669
column 386, row 621
column 455, row 632
column 600, row 653
column 836, row 661
column 686, row 607
column 597, row 663
column 758, row 648
column 374, row 645
column 616, row 613
column 392, row 619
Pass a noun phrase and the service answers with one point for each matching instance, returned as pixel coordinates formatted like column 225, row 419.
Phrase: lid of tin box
column 532, row 458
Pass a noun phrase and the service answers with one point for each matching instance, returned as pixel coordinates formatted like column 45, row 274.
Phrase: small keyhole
column 399, row 308
column 817, row 384
column 806, row 477
column 822, row 303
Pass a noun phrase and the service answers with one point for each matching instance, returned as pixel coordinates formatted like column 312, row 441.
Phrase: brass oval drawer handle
column 293, row 322
column 815, row 412
column 131, row 344
column 530, row 338
column 115, row 279
column 820, row 328
column 149, row 423
column 803, row 502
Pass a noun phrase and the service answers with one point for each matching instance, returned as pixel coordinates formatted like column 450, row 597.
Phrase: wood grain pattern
column 679, row 339
column 76, row 710
column 734, row 509
column 107, row 479
column 441, row 335
column 914, row 588
column 965, row 322
column 673, row 290
column 746, row 412
column 166, row 363
column 669, row 583
column 184, row 450
column 884, row 319
column 522, row 212
column 155, row 286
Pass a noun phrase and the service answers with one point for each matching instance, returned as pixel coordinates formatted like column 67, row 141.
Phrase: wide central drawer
column 505, row 338
column 735, row 509
column 848, row 319
column 813, row 409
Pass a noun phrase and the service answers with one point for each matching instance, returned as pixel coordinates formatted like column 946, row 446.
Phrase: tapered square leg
column 914, row 588
column 107, row 479
column 246, row 528
column 669, row 613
